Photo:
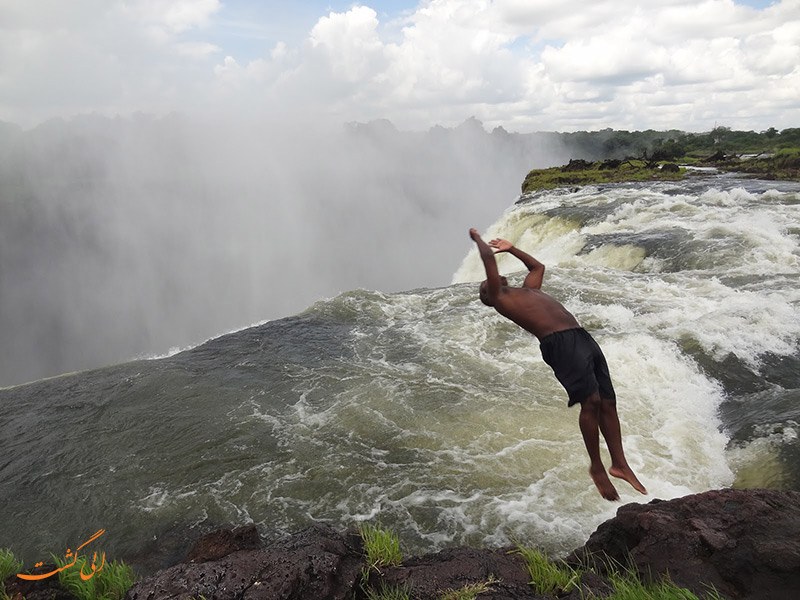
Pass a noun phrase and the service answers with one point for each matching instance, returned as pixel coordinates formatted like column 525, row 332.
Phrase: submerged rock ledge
column 744, row 543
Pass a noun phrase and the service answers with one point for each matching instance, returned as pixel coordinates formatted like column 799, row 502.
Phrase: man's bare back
column 534, row 311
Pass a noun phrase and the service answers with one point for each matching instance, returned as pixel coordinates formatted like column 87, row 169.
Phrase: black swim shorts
column 578, row 363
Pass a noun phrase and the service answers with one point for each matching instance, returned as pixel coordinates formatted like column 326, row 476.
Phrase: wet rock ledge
column 744, row 543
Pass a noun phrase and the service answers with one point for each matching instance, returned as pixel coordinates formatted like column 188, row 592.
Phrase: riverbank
column 581, row 172
column 784, row 165
column 732, row 544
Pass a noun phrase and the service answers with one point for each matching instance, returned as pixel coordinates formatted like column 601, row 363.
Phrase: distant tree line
column 674, row 144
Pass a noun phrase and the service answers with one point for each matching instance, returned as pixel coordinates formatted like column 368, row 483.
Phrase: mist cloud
column 132, row 236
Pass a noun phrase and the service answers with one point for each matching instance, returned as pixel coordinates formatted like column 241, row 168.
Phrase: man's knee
column 592, row 402
column 610, row 401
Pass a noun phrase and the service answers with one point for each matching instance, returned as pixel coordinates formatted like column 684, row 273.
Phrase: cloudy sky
column 527, row 65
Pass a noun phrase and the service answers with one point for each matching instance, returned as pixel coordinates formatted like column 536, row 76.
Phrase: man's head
column 484, row 291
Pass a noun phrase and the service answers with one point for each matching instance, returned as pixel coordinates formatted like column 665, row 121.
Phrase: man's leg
column 609, row 426
column 589, row 421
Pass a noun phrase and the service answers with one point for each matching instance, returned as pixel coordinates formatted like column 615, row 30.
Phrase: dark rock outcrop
column 322, row 564
column 316, row 563
column 744, row 543
column 220, row 543
column 37, row 589
column 452, row 569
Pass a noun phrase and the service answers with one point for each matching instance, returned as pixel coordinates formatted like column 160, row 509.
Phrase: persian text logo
column 74, row 555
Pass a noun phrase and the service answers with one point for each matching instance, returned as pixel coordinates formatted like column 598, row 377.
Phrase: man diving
column 574, row 356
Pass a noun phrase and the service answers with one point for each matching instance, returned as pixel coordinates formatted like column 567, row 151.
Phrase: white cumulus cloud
column 524, row 64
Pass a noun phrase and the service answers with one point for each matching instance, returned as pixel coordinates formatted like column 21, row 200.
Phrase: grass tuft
column 382, row 549
column 468, row 592
column 629, row 586
column 382, row 546
column 109, row 583
column 389, row 592
column 558, row 578
column 9, row 565
column 548, row 577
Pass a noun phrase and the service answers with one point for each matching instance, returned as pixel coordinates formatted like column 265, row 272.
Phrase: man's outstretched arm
column 536, row 274
column 493, row 282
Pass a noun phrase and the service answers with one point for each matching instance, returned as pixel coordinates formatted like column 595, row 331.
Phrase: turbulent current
column 429, row 412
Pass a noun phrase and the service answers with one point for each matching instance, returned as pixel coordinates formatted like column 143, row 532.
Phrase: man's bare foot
column 604, row 485
column 627, row 474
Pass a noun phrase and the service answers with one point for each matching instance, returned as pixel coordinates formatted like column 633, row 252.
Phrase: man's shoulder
column 523, row 295
column 530, row 290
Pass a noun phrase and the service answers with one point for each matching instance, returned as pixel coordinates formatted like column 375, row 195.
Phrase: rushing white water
column 429, row 411
column 663, row 273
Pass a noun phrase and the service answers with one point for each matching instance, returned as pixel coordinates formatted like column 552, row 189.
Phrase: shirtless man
column 571, row 352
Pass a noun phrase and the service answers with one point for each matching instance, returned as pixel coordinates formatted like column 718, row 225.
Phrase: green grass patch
column 389, row 592
column 382, row 549
column 548, row 577
column 110, row 582
column 468, row 592
column 9, row 565
column 557, row 578
column 628, row 586
column 382, row 546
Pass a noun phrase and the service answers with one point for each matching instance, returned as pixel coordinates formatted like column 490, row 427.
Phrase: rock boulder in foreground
column 744, row 543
